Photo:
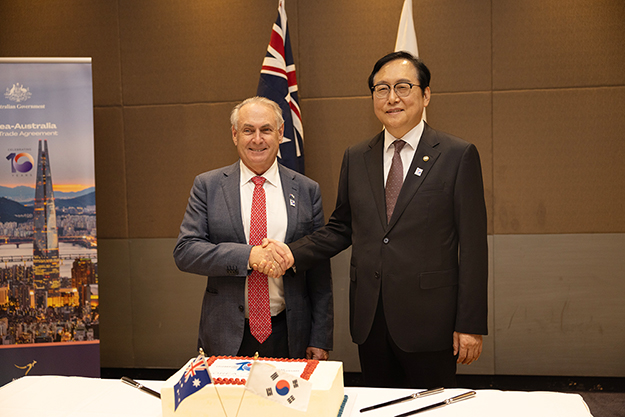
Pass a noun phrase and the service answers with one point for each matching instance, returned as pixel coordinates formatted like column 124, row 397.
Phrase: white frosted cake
column 227, row 396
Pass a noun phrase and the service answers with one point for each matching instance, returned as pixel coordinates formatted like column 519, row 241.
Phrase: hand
column 317, row 353
column 282, row 253
column 468, row 347
column 262, row 260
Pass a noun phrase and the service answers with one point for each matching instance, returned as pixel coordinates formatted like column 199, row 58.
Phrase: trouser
column 275, row 346
column 384, row 364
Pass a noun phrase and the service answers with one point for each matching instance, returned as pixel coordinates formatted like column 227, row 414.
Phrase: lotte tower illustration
column 46, row 238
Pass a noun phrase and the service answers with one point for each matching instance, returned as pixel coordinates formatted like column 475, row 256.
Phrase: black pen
column 137, row 385
column 448, row 401
column 402, row 399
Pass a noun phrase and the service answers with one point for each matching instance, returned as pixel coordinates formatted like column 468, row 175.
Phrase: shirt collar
column 272, row 175
column 411, row 138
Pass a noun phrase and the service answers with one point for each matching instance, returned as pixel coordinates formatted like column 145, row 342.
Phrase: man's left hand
column 316, row 353
column 468, row 347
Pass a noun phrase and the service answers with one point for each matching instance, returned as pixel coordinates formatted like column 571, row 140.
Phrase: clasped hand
column 271, row 258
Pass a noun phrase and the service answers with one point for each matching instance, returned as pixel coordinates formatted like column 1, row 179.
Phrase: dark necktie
column 394, row 180
column 257, row 286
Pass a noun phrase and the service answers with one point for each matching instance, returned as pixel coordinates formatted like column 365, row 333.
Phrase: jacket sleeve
column 334, row 237
column 195, row 250
column 470, row 217
column 319, row 283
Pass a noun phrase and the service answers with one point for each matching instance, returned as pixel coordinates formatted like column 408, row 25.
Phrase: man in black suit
column 415, row 216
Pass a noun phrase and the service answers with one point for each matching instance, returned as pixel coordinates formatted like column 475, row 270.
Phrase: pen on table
column 137, row 385
column 402, row 399
column 448, row 401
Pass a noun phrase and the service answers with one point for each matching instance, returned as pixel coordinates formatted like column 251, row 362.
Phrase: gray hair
column 234, row 116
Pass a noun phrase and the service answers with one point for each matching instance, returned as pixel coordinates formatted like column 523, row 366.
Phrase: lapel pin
column 426, row 158
column 292, row 200
column 418, row 172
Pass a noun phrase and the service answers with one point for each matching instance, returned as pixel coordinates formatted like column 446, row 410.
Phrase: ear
column 234, row 136
column 281, row 133
column 426, row 96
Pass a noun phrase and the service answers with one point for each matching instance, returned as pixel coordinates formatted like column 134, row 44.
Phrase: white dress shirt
column 277, row 222
column 411, row 138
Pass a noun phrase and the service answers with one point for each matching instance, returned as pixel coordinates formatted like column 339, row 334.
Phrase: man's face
column 400, row 114
column 257, row 137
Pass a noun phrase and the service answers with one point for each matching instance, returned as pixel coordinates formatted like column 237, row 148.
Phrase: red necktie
column 394, row 180
column 257, row 286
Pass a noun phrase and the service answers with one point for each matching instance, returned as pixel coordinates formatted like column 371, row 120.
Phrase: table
column 60, row 396
column 486, row 403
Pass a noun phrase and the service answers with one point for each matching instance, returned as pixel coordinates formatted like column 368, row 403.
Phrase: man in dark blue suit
column 214, row 242
column 411, row 203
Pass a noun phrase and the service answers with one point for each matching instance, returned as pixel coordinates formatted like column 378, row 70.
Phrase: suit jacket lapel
column 374, row 163
column 290, row 189
column 232, row 194
column 424, row 159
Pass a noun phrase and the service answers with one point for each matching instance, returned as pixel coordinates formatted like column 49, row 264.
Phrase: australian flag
column 195, row 377
column 279, row 83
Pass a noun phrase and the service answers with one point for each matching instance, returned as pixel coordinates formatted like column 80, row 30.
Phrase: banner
column 48, row 243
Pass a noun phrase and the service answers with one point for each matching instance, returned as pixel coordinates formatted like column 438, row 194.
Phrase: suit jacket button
column 377, row 275
column 241, row 308
column 385, row 240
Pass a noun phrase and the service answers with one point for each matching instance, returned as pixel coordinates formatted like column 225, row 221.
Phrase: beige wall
column 537, row 85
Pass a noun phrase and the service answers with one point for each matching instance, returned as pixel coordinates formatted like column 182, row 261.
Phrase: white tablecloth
column 59, row 396
column 486, row 403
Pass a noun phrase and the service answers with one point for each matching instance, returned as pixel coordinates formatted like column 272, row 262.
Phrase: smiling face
column 257, row 136
column 400, row 114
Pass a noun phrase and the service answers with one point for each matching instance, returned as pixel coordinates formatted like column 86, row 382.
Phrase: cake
column 227, row 396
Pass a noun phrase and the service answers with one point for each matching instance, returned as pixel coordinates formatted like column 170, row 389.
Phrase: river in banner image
column 67, row 252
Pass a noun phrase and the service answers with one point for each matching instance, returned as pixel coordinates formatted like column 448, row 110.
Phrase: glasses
column 401, row 89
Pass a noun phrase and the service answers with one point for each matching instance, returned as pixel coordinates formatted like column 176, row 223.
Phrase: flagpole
column 248, row 378
column 214, row 384
column 240, row 402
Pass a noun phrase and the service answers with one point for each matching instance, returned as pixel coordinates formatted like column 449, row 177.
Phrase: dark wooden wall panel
column 166, row 147
column 67, row 28
column 110, row 173
column 192, row 51
column 117, row 325
column 558, row 161
column 454, row 39
column 552, row 43
column 340, row 42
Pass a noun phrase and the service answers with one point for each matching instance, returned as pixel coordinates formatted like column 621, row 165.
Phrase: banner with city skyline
column 49, row 301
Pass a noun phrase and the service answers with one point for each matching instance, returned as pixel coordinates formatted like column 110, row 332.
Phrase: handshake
column 271, row 258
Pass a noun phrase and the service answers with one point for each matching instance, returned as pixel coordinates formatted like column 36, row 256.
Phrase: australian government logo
column 19, row 94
